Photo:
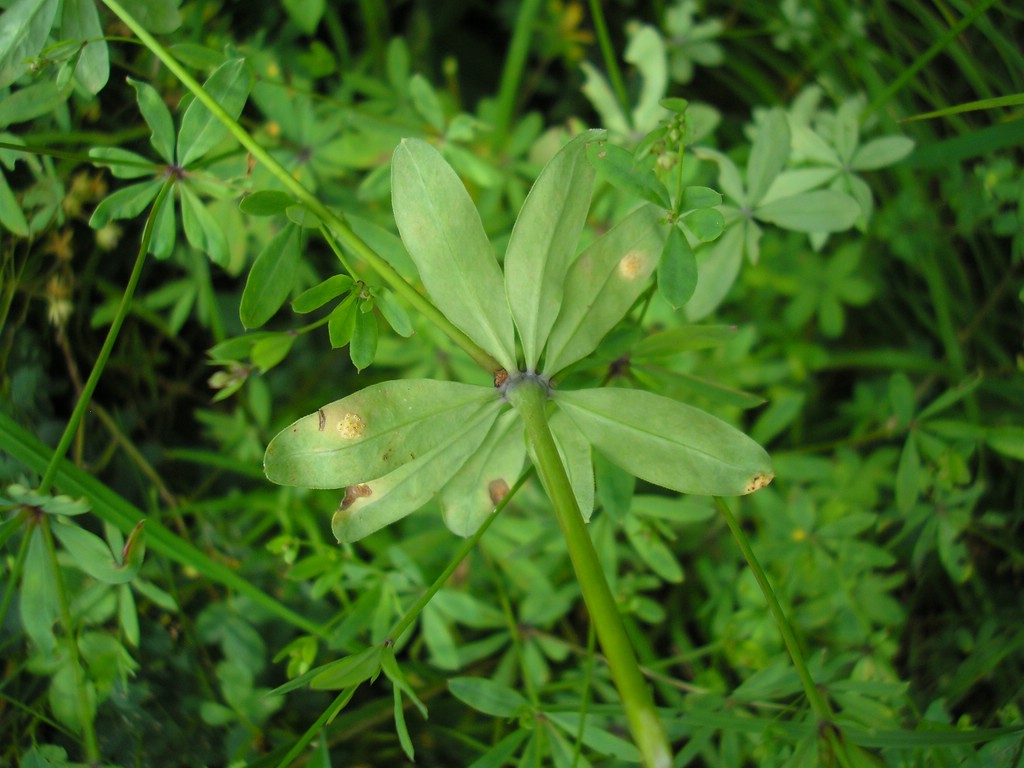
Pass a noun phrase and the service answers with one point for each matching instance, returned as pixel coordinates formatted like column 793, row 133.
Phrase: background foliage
column 858, row 310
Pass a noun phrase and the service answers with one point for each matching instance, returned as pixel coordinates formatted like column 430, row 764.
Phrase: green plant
column 862, row 609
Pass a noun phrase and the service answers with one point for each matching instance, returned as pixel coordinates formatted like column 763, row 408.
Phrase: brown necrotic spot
column 355, row 492
column 323, row 418
column 500, row 377
column 498, row 490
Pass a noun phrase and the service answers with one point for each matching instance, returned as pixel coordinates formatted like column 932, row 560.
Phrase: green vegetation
column 512, row 385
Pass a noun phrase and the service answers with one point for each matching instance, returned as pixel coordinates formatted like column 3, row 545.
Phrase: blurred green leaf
column 200, row 131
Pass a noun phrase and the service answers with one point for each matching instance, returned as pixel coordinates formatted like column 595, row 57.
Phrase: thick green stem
column 530, row 398
column 819, row 705
column 334, row 220
column 108, row 344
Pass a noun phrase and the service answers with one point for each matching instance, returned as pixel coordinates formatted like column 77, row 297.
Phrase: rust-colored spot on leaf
column 759, row 481
column 498, row 490
column 353, row 493
column 500, row 377
column 323, row 418
column 351, row 426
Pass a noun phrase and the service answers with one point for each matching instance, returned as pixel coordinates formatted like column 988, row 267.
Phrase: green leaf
column 369, row 506
column 30, row 102
column 11, row 215
column 400, row 727
column 668, row 443
column 123, row 163
column 321, row 293
column 305, row 13
column 544, row 241
column 266, row 202
column 80, row 20
column 667, row 344
column 394, row 313
column 425, row 101
column 441, row 229
column 487, row 696
column 476, row 489
column 677, row 269
column 678, row 509
column 700, row 197
column 342, row 322
column 160, row 17
column 126, row 203
column 271, row 278
column 602, row 285
column 707, row 224
column 201, row 228
column 268, row 352
column 718, row 264
column 363, row 346
column 882, row 152
column 908, row 476
column 652, row 550
column 574, row 450
column 768, row 155
column 24, row 27
column 1008, row 441
column 349, row 671
column 595, row 737
column 157, row 117
column 901, row 396
column 617, row 166
column 200, row 130
column 92, row 554
column 371, row 432
column 822, row 210
column 38, row 600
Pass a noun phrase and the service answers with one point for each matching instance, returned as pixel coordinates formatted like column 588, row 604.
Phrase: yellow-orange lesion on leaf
column 351, row 426
column 632, row 265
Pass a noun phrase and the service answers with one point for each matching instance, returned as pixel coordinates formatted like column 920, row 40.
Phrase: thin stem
column 461, row 554
column 334, row 220
column 325, row 717
column 530, row 399
column 819, row 705
column 108, row 344
column 610, row 62
column 515, row 62
column 92, row 749
column 16, row 568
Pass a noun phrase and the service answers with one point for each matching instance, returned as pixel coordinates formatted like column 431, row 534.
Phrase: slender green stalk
column 610, row 62
column 326, row 716
column 16, row 568
column 92, row 749
column 908, row 74
column 819, row 705
column 334, row 220
column 467, row 546
column 108, row 344
column 530, row 399
column 515, row 63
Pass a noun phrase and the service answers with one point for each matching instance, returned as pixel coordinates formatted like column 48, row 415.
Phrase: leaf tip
column 759, row 481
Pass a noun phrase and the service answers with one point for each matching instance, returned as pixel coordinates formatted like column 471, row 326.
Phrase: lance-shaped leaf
column 157, row 117
column 482, row 482
column 768, row 155
column 443, row 233
column 602, row 285
column 271, row 278
column 372, row 432
column 200, row 130
column 92, row 554
column 369, row 506
column 668, row 443
column 544, row 241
